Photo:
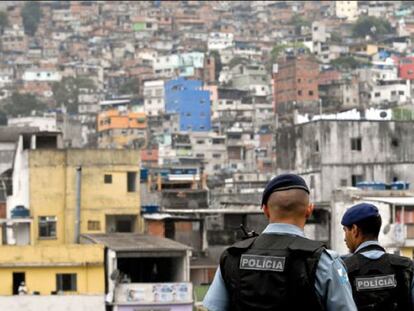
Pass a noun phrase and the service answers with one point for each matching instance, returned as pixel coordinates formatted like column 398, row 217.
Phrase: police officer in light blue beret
column 281, row 269
column 380, row 281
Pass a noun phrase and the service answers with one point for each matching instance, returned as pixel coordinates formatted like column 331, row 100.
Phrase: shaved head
column 288, row 203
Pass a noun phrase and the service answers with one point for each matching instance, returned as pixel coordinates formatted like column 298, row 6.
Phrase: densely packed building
column 207, row 100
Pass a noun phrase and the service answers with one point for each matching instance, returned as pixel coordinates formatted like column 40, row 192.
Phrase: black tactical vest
column 272, row 272
column 382, row 284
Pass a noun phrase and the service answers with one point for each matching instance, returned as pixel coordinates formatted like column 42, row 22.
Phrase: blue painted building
column 186, row 98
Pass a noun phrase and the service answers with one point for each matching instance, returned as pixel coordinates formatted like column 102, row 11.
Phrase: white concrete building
column 333, row 153
column 220, row 40
column 385, row 92
column 154, row 103
column 212, row 148
column 347, row 10
column 44, row 123
column 41, row 75
column 183, row 64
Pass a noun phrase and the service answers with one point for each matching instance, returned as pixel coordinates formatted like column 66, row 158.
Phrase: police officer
column 380, row 281
column 281, row 269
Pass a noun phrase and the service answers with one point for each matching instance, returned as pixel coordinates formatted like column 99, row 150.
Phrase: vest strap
column 374, row 247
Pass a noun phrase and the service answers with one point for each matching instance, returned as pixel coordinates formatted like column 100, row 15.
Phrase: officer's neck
column 290, row 221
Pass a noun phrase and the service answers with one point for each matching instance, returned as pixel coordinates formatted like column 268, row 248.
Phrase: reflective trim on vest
column 264, row 263
column 377, row 282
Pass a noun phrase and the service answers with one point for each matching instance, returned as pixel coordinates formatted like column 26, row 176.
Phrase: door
column 18, row 278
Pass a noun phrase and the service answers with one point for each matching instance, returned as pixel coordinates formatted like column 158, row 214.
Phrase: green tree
column 4, row 21
column 67, row 91
column 31, row 14
column 22, row 104
column 280, row 48
column 348, row 62
column 336, row 37
column 131, row 86
column 372, row 26
column 299, row 21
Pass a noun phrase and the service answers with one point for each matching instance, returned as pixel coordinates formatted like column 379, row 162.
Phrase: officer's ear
column 355, row 230
column 309, row 210
column 266, row 211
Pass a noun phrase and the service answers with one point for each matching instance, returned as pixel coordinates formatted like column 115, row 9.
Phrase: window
column 377, row 94
column 200, row 142
column 47, row 227
column 400, row 92
column 316, row 146
column 200, row 155
column 344, row 182
column 393, row 93
column 310, row 93
column 66, row 282
column 94, row 225
column 395, row 142
column 356, row 144
column 356, row 179
column 300, row 93
column 216, row 155
column 108, row 179
column 131, row 180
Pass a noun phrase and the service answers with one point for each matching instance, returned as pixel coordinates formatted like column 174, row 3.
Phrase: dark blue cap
column 283, row 182
column 359, row 212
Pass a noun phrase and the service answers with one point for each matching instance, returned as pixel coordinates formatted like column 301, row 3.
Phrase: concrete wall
column 322, row 152
column 52, row 303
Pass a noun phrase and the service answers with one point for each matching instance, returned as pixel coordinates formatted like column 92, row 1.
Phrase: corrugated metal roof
column 136, row 242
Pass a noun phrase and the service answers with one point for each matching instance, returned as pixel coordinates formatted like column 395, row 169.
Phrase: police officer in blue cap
column 281, row 269
column 380, row 281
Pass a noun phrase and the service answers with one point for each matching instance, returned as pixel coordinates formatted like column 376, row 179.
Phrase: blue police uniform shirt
column 375, row 254
column 331, row 284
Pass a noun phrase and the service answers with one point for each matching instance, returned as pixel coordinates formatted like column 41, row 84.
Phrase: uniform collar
column 284, row 229
column 365, row 244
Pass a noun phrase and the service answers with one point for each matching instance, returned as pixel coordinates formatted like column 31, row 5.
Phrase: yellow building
column 72, row 269
column 41, row 226
column 110, row 200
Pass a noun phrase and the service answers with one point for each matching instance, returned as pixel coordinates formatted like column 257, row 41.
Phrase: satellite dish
column 383, row 114
column 386, row 229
